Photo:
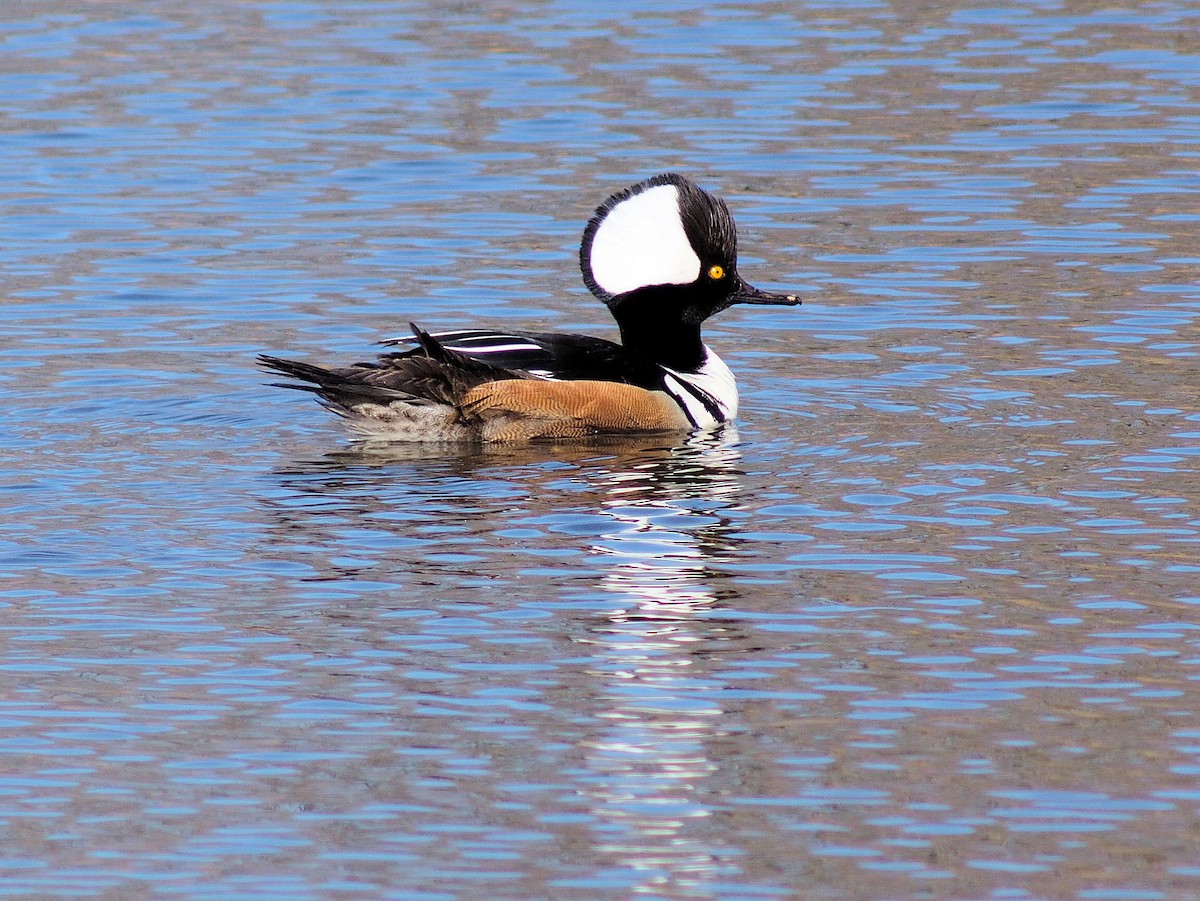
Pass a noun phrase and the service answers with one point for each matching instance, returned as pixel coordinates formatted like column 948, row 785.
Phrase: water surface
column 923, row 626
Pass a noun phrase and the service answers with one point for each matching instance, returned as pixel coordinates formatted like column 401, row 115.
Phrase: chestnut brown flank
column 517, row 409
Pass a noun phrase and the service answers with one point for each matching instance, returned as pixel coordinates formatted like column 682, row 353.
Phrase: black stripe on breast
column 696, row 393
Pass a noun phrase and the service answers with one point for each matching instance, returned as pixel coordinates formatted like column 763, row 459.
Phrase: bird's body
column 662, row 254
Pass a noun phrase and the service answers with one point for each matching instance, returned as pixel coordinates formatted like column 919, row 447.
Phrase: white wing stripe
column 489, row 348
column 480, row 337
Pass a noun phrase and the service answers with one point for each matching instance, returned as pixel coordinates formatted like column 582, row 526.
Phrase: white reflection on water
column 658, row 716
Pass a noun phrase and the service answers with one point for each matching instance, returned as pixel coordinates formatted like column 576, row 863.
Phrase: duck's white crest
column 641, row 242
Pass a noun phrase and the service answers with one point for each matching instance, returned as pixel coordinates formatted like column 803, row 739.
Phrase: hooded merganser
column 661, row 254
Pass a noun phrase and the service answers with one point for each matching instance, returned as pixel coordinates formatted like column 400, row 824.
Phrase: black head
column 668, row 244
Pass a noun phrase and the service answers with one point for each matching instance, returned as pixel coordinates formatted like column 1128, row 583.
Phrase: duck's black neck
column 667, row 342
column 658, row 332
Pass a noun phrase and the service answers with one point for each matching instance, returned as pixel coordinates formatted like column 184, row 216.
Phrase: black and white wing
column 546, row 355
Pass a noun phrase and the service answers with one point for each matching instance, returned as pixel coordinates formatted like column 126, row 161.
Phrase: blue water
column 923, row 626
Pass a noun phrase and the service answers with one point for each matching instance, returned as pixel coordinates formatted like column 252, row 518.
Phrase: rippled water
column 925, row 626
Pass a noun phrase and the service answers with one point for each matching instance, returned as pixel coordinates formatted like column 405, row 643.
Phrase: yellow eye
column 716, row 273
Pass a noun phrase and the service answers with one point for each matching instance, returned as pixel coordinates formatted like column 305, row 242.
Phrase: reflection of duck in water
column 484, row 498
column 620, row 540
column 668, row 509
column 662, row 254
column 602, row 472
column 658, row 699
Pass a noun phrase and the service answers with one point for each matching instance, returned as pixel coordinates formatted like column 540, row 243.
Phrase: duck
column 661, row 254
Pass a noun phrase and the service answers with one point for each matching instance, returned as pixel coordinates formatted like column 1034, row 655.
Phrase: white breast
column 712, row 385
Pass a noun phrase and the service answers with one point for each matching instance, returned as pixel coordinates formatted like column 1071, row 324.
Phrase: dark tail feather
column 336, row 387
column 294, row 369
